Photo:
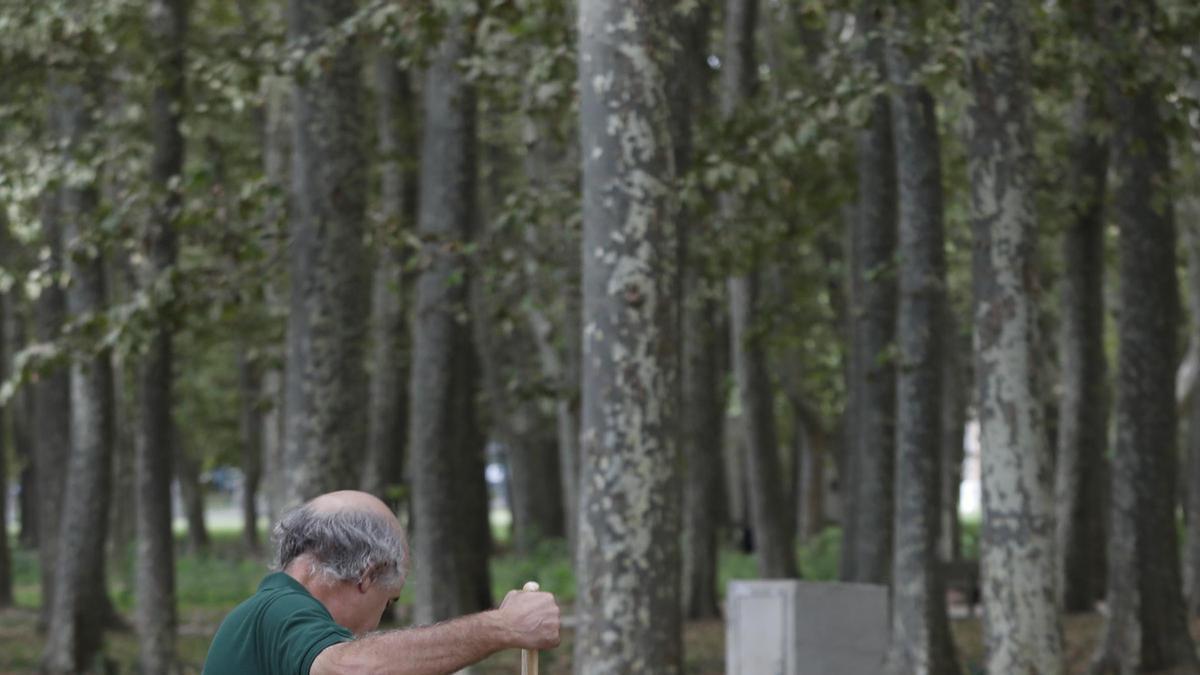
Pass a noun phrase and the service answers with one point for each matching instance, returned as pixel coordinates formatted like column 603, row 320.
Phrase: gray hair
column 345, row 545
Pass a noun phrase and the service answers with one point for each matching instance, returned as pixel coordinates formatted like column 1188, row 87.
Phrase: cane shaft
column 529, row 657
column 529, row 662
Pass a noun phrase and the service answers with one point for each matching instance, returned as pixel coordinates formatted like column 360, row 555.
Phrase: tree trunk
column 275, row 137
column 1147, row 626
column 954, row 422
column 921, row 640
column 1190, row 210
column 1083, row 410
column 811, row 450
column 736, row 510
column 123, row 509
column 516, row 419
column 628, row 563
column 513, row 410
column 6, row 416
column 562, row 369
column 23, row 445
column 326, row 411
column 871, row 391
column 155, row 551
column 51, row 396
column 441, row 342
column 251, row 433
column 1022, row 632
column 396, row 120
column 191, row 493
column 78, row 613
column 772, row 533
column 702, row 419
column 702, row 401
column 473, row 521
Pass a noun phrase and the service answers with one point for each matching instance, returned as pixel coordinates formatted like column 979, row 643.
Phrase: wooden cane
column 529, row 657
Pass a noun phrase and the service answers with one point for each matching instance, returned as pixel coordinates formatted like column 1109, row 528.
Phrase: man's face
column 365, row 604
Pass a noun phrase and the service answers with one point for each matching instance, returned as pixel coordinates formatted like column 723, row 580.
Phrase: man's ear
column 366, row 581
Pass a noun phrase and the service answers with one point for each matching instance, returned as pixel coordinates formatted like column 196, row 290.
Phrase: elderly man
column 342, row 559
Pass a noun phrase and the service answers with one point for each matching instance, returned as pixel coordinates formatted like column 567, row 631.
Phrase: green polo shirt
column 278, row 631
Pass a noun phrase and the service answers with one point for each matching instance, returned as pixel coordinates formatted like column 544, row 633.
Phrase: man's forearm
column 428, row 650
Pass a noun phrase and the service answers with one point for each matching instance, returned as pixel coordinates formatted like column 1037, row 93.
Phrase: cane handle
column 529, row 657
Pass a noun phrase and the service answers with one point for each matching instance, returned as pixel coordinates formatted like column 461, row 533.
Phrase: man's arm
column 525, row 620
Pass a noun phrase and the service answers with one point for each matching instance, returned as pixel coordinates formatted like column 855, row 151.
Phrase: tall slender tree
column 771, row 520
column 79, row 603
column 155, row 439
column 326, row 421
column 396, row 122
column 921, row 640
column 702, row 404
column 560, row 366
column 1022, row 633
column 275, row 157
column 6, row 417
column 1083, row 410
column 441, row 393
column 250, row 436
column 629, row 522
column 1147, row 628
column 870, row 440
column 1190, row 213
column 22, row 433
column 51, row 397
column 954, row 423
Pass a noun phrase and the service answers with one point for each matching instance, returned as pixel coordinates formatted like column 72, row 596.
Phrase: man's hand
column 533, row 619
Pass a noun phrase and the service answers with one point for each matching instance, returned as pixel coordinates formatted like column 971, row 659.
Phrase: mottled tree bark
column 628, row 608
column 772, row 532
column 397, row 127
column 326, row 408
column 155, row 439
column 1083, row 410
column 1147, row 628
column 77, row 614
column 921, row 641
column 871, row 390
column 1022, row 632
column 441, row 354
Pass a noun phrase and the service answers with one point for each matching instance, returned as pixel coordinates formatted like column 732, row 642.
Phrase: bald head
column 352, row 500
column 346, row 536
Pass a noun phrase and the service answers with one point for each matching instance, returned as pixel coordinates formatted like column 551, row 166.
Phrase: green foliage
column 820, row 557
column 549, row 565
column 969, row 536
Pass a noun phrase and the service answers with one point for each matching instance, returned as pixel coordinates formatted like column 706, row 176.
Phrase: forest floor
column 212, row 584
